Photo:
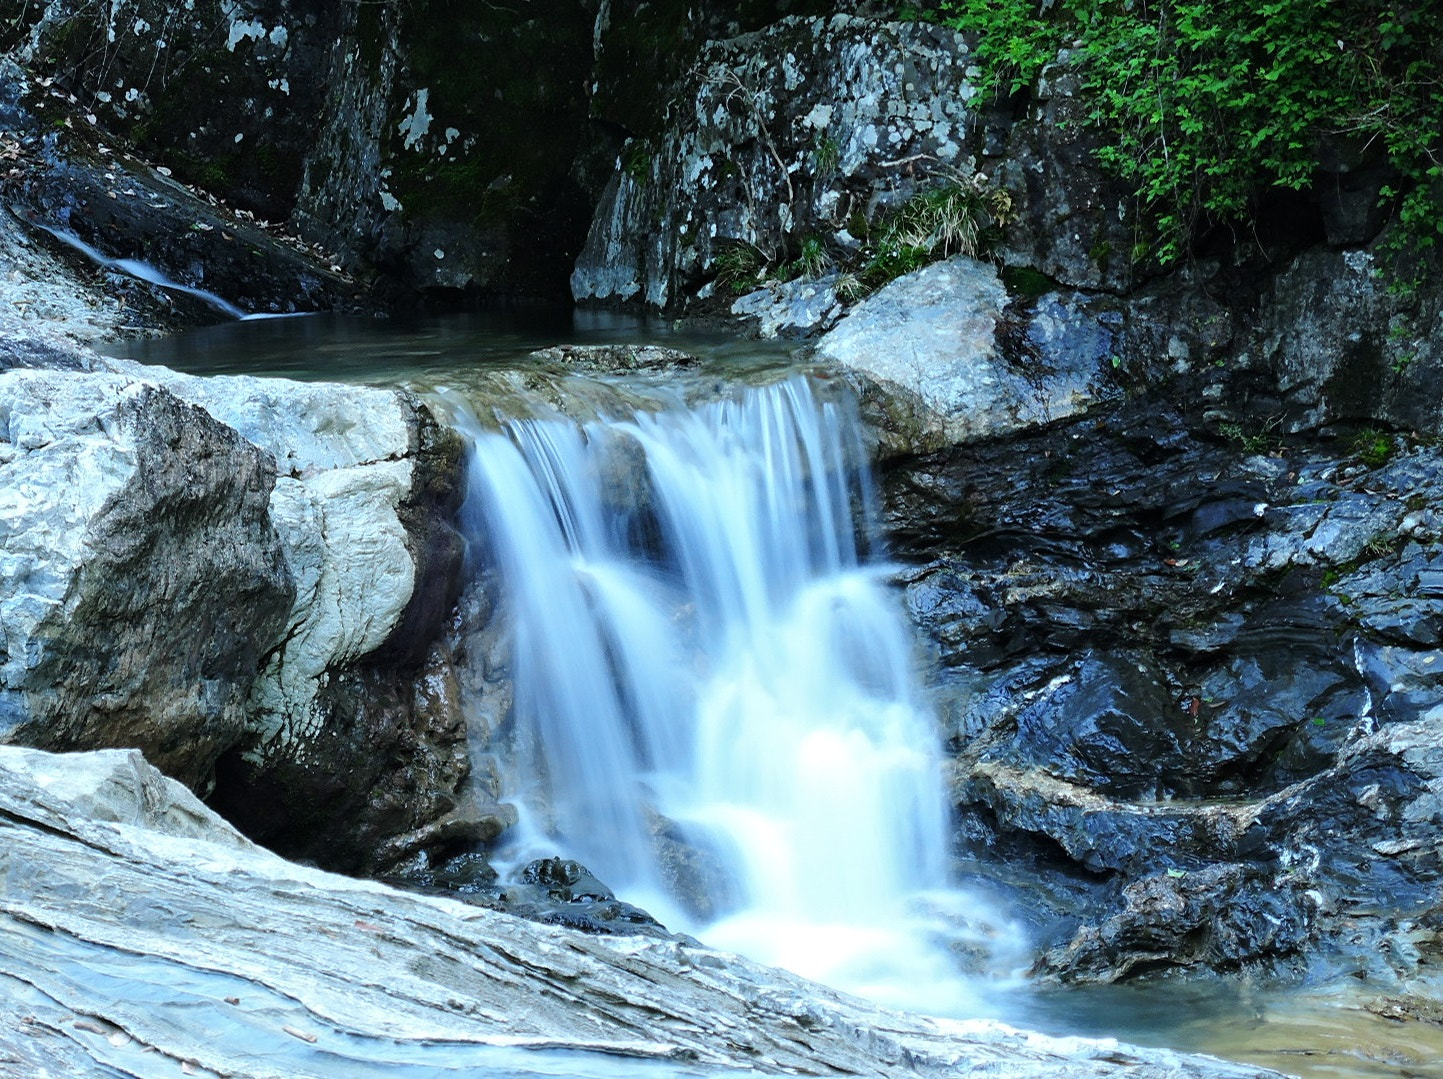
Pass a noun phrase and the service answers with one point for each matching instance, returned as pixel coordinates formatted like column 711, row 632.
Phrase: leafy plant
column 636, row 160
column 1209, row 102
column 1260, row 442
column 1373, row 447
column 826, row 154
column 961, row 216
column 812, row 260
column 739, row 266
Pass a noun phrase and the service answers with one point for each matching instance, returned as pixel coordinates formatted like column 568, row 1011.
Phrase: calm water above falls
column 421, row 351
column 1322, row 1033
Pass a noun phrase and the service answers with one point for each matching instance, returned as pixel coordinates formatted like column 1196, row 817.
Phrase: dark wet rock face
column 1193, row 687
column 1100, row 726
column 139, row 220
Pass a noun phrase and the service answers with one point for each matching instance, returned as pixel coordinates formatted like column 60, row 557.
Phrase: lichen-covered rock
column 224, row 93
column 778, row 135
column 792, row 308
column 1069, row 219
column 947, row 367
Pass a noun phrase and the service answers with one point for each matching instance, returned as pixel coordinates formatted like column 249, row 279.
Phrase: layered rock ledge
column 141, row 929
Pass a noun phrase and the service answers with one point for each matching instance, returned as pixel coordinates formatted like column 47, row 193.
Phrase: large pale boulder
column 346, row 467
column 246, row 578
column 142, row 933
column 944, row 358
column 142, row 576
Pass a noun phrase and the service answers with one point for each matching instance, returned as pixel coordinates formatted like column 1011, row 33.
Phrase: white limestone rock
column 76, row 448
column 929, row 346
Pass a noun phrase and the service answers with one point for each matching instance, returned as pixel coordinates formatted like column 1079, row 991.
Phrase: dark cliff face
column 388, row 132
column 453, row 149
column 227, row 97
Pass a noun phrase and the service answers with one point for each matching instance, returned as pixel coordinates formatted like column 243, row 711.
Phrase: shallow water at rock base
column 1323, row 1032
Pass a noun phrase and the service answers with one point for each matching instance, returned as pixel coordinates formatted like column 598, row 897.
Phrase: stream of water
column 714, row 682
column 702, row 651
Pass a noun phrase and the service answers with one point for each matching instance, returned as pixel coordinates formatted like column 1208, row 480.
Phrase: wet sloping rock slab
column 138, row 926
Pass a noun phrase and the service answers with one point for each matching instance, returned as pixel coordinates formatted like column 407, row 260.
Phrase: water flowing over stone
column 144, row 936
column 698, row 635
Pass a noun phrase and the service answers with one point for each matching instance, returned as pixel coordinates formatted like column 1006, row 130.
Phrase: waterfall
column 702, row 645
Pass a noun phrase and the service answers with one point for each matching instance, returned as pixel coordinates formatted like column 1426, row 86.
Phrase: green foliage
column 739, row 266
column 1373, row 447
column 812, row 260
column 826, row 154
column 962, row 216
column 1259, row 442
column 1209, row 102
column 636, row 160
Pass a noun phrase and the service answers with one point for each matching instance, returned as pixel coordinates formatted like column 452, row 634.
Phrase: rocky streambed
column 143, row 934
column 1128, row 770
column 1170, row 541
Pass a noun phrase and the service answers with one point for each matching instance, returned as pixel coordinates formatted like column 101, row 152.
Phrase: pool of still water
column 1323, row 1031
column 421, row 351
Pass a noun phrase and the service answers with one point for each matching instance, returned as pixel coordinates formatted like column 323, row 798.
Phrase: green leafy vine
column 1210, row 102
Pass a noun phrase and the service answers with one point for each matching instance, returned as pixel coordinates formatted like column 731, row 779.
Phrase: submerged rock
column 118, row 886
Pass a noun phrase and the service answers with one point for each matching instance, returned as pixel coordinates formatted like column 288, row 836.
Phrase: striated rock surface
column 117, row 887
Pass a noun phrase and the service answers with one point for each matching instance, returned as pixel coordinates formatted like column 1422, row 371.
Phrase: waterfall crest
column 705, row 655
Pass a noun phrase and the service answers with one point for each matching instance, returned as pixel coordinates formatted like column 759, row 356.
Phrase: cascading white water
column 696, row 635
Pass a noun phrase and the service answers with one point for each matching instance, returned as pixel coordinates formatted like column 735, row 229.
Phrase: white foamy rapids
column 695, row 634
